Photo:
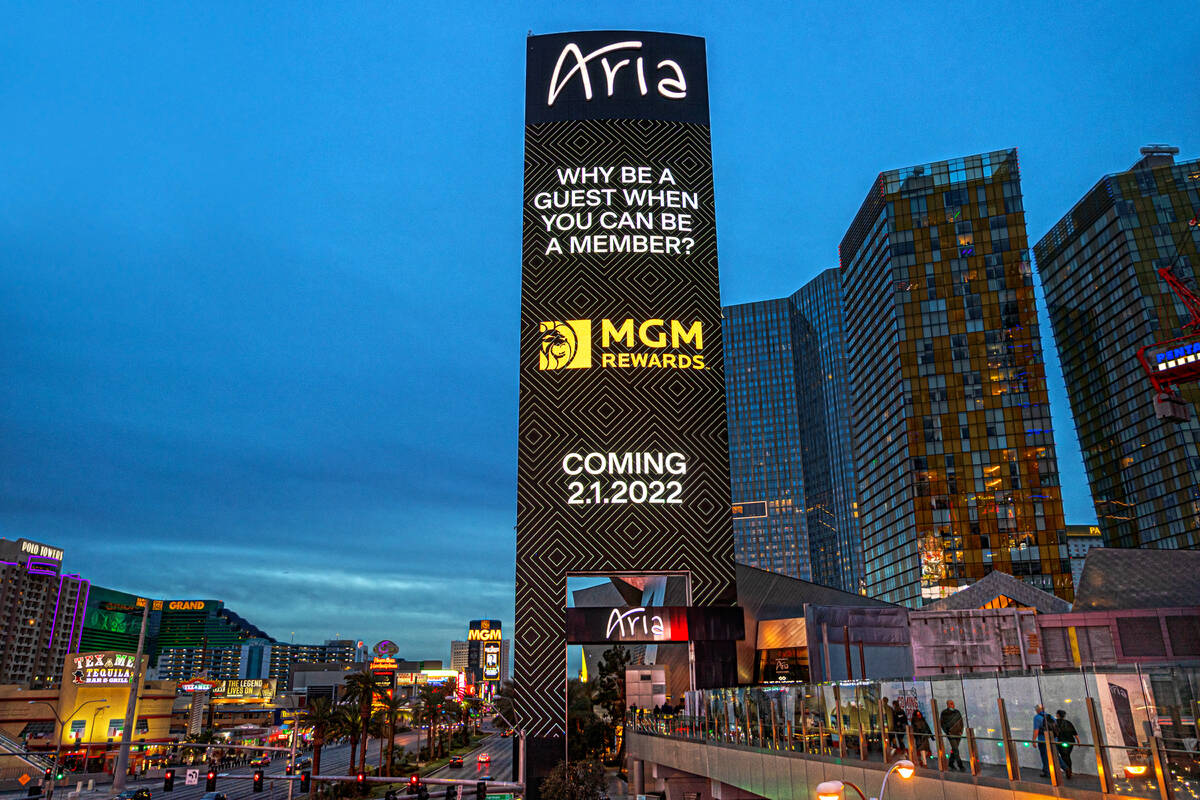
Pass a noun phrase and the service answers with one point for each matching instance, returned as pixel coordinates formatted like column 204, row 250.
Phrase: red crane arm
column 1189, row 300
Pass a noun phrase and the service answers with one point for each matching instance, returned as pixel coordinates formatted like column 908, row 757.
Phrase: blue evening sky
column 259, row 262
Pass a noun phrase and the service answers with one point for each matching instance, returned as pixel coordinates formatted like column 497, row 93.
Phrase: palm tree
column 361, row 689
column 350, row 725
column 322, row 716
column 431, row 701
column 390, row 708
column 379, row 728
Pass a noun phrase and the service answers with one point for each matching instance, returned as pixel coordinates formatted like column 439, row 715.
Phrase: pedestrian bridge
column 1136, row 737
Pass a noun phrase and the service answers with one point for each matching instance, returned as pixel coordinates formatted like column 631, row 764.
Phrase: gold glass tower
column 954, row 452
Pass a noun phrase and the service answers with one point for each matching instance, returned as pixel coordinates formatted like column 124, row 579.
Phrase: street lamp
column 836, row 790
column 59, row 734
column 87, row 760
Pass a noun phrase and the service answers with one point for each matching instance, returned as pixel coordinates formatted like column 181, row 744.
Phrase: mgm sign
column 623, row 455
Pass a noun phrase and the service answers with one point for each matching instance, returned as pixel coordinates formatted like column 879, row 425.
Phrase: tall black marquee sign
column 623, row 455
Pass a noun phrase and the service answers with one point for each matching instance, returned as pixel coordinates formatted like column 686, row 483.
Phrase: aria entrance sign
column 623, row 458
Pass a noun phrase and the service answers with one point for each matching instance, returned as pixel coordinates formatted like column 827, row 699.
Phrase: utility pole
column 292, row 759
column 135, row 688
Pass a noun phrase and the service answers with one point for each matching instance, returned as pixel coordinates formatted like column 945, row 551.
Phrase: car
column 213, row 796
column 134, row 794
column 260, row 761
column 303, row 763
column 484, row 758
column 507, row 732
column 487, row 777
column 455, row 761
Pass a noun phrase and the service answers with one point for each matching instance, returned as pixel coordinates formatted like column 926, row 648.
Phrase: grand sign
column 623, row 456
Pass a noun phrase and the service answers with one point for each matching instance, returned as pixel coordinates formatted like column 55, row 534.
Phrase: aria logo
column 671, row 85
column 565, row 345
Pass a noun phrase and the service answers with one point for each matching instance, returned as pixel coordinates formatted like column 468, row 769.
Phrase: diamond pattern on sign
column 613, row 409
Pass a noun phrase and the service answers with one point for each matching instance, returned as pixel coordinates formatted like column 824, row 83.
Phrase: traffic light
column 422, row 792
column 305, row 780
column 288, row 769
column 210, row 781
column 49, row 773
column 361, row 778
column 481, row 790
column 169, row 781
column 450, row 793
column 414, row 781
column 258, row 780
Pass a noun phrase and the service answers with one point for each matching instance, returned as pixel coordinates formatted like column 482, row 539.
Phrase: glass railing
column 1113, row 731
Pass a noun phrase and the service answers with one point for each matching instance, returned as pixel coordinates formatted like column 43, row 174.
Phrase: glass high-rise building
column 791, row 469
column 1099, row 268
column 765, row 468
column 823, row 394
column 954, row 454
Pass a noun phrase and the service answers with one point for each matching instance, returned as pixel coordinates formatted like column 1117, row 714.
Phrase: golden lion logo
column 565, row 345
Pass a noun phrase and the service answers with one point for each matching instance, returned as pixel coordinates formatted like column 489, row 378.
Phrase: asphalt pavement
column 499, row 751
column 335, row 760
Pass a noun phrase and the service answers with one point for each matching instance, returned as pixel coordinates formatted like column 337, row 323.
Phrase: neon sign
column 673, row 86
column 651, row 624
column 105, row 669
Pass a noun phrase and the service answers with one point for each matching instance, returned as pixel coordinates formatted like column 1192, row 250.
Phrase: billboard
column 483, row 650
column 106, row 668
column 623, row 459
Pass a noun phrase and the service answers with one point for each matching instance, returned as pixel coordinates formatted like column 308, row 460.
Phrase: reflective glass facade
column 787, row 400
column 765, row 463
column 955, row 462
column 823, row 397
column 1106, row 300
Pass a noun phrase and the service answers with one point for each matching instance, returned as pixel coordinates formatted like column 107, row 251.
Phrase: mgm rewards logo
column 624, row 344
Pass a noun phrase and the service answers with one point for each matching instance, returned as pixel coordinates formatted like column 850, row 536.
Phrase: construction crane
column 1174, row 362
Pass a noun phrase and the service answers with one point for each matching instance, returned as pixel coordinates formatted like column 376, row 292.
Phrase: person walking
column 951, row 720
column 1041, row 724
column 922, row 736
column 1066, row 737
column 899, row 727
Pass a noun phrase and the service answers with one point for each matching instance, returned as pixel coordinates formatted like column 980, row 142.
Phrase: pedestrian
column 951, row 720
column 922, row 736
column 1067, row 737
column 657, row 710
column 899, row 726
column 1041, row 723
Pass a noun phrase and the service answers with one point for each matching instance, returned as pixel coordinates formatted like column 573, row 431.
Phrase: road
column 335, row 760
column 500, row 751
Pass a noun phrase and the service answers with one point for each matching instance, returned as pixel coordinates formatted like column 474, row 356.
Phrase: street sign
column 192, row 778
column 458, row 792
column 24, row 779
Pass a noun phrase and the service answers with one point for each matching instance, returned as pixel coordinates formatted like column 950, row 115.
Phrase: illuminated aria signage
column 654, row 624
column 622, row 459
column 101, row 669
column 573, row 62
